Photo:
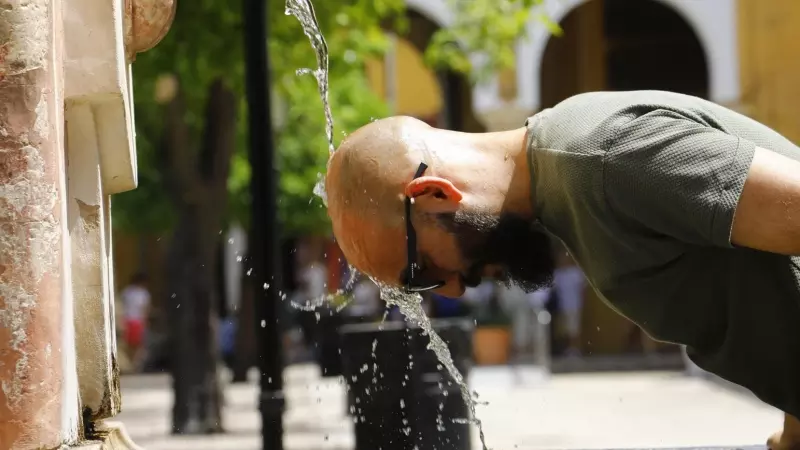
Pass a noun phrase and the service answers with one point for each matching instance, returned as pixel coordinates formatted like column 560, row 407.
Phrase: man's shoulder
column 587, row 111
column 623, row 101
column 587, row 123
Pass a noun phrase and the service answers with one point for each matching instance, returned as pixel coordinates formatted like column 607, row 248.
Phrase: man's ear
column 434, row 194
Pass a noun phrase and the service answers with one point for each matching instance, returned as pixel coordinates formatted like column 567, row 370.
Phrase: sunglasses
column 413, row 282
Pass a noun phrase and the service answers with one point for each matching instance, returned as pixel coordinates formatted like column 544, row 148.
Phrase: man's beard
column 523, row 252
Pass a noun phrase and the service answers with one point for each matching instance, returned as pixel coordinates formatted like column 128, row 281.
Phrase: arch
column 713, row 22
column 437, row 11
column 438, row 97
column 620, row 45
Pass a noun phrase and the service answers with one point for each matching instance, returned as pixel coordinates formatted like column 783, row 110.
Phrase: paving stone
column 526, row 410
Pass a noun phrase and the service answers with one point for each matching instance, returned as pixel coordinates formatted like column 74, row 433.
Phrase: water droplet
column 263, row 323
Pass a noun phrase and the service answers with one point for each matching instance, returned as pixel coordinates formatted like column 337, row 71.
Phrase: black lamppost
column 264, row 232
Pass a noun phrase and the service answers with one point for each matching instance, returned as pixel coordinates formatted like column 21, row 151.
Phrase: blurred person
column 312, row 280
column 136, row 308
column 541, row 302
column 684, row 216
column 366, row 302
column 227, row 339
column 540, row 298
column 569, row 284
column 515, row 301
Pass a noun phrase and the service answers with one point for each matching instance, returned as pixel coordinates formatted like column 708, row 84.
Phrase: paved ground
column 525, row 411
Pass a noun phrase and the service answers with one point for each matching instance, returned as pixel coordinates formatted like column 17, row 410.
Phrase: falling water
column 303, row 10
column 411, row 307
column 410, row 304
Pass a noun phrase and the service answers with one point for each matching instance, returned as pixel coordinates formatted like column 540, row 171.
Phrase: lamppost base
column 272, row 404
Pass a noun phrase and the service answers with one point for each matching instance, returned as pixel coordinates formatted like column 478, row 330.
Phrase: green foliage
column 206, row 42
column 488, row 28
column 353, row 32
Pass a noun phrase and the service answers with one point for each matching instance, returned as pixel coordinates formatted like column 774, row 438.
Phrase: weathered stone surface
column 146, row 23
column 31, row 367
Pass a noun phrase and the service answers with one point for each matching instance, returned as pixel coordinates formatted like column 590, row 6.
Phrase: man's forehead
column 371, row 247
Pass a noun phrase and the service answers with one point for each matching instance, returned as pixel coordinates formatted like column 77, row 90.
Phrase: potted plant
column 492, row 336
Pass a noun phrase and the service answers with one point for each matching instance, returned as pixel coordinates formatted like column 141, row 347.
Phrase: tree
column 193, row 168
column 187, row 152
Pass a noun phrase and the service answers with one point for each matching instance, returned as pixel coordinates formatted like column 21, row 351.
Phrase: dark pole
column 264, row 234
column 451, row 116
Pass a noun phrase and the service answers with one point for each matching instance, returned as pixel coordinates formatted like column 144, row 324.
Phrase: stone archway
column 442, row 99
column 714, row 22
column 623, row 45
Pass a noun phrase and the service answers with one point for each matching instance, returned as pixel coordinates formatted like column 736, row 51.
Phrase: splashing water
column 303, row 10
column 411, row 307
column 410, row 304
column 319, row 190
column 315, row 303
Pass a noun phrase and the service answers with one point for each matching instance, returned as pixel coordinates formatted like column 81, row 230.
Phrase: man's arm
column 768, row 214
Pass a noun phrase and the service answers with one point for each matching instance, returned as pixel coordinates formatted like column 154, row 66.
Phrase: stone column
column 101, row 40
column 64, row 60
column 38, row 395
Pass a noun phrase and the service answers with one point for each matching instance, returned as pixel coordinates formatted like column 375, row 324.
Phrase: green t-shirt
column 641, row 187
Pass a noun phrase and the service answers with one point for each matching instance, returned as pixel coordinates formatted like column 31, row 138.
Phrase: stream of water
column 409, row 304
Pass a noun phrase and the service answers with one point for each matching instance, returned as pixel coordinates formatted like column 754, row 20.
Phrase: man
column 683, row 215
column 136, row 306
column 569, row 284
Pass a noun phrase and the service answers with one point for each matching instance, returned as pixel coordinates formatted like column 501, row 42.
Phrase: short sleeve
column 671, row 175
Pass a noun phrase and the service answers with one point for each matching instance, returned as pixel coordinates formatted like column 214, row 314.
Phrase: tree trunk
column 197, row 182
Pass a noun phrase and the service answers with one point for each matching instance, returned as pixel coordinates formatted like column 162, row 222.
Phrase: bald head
column 367, row 173
column 365, row 184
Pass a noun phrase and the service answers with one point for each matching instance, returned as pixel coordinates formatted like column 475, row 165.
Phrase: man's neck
column 498, row 161
column 512, row 149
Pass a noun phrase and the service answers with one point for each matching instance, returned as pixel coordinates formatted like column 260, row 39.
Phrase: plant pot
column 491, row 345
